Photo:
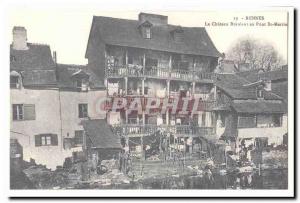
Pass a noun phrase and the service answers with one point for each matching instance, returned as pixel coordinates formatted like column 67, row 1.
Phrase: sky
column 67, row 30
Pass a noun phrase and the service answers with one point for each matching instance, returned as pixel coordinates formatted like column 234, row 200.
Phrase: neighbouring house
column 255, row 110
column 80, row 89
column 49, row 101
column 150, row 58
column 35, row 109
column 276, row 80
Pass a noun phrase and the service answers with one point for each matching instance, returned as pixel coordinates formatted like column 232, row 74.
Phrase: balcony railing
column 113, row 71
column 136, row 130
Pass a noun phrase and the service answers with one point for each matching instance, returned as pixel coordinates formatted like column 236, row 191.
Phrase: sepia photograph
column 145, row 100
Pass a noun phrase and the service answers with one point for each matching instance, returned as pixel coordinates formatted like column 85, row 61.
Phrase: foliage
column 255, row 53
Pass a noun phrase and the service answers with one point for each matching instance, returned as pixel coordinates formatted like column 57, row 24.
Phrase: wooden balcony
column 138, row 130
column 158, row 73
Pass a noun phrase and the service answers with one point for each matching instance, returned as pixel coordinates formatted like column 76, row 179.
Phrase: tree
column 256, row 53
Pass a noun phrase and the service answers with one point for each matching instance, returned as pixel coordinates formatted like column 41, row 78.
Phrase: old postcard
column 151, row 103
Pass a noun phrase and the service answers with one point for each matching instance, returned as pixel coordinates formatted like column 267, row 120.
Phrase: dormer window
column 146, row 29
column 148, row 33
column 82, row 85
column 81, row 80
column 15, row 80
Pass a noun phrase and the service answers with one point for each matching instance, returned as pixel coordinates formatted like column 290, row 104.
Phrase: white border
column 141, row 5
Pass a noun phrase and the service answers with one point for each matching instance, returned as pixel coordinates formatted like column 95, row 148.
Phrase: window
column 247, row 122
column 81, row 85
column 23, row 111
column 277, row 120
column 14, row 82
column 147, row 33
column 18, row 112
column 78, row 139
column 83, row 110
column 146, row 29
column 46, row 140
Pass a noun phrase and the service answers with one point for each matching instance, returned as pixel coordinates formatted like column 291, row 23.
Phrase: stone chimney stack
column 153, row 18
column 19, row 38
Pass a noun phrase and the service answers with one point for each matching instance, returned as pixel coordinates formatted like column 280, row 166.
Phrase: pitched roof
column 275, row 75
column 65, row 73
column 37, row 57
column 35, row 65
column 249, row 93
column 39, row 78
column 256, row 74
column 281, row 89
column 101, row 134
column 230, row 80
column 123, row 32
column 259, row 107
column 250, row 75
column 238, row 87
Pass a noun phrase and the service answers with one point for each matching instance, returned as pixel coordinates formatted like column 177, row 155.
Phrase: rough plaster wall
column 69, row 105
column 47, row 121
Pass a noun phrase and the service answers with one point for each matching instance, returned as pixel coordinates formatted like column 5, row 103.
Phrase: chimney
column 153, row 18
column 54, row 57
column 20, row 38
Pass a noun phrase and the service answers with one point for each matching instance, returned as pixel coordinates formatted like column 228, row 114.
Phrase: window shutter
column 29, row 112
column 15, row 113
column 80, row 111
column 54, row 140
column 38, row 140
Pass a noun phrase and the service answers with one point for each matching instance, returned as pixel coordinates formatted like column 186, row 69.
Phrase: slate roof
column 249, row 93
column 123, row 32
column 230, row 80
column 233, row 85
column 35, row 65
column 101, row 134
column 37, row 57
column 65, row 73
column 275, row 75
column 281, row 89
column 259, row 107
column 255, row 75
column 39, row 78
